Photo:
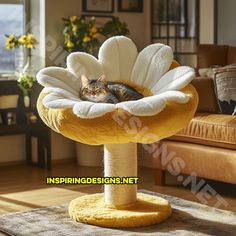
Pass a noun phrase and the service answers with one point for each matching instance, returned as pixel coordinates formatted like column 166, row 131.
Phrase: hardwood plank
column 24, row 187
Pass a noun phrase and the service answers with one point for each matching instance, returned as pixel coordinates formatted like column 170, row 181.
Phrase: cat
column 102, row 91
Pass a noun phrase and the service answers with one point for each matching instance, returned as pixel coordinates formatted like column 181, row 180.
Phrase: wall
column 12, row 148
column 226, row 22
column 138, row 24
column 206, row 24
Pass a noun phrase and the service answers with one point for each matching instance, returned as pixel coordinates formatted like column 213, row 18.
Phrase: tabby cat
column 101, row 90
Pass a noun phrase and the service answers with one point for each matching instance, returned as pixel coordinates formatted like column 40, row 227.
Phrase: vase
column 28, row 66
column 19, row 60
column 26, row 100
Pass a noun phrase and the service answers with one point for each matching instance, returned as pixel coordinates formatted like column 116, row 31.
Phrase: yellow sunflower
column 22, row 39
column 10, row 42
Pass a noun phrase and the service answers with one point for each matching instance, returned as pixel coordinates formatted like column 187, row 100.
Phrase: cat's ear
column 102, row 79
column 84, row 80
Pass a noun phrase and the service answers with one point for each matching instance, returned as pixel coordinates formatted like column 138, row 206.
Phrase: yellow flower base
column 91, row 209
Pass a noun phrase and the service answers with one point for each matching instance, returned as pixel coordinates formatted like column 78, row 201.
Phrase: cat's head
column 94, row 90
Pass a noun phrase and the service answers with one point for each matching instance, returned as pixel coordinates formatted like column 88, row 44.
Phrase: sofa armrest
column 206, row 93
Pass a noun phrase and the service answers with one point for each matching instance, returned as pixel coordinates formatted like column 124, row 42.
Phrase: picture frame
column 130, row 6
column 98, row 6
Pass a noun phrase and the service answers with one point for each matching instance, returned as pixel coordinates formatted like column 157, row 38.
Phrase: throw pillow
column 225, row 87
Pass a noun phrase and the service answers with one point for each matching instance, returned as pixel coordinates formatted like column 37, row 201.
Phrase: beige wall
column 54, row 12
column 12, row 148
column 138, row 24
column 226, row 22
column 206, row 21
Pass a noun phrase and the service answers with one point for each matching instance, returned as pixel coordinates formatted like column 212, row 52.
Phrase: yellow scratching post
column 168, row 105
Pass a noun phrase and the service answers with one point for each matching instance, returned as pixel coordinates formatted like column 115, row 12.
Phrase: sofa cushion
column 207, row 162
column 215, row 130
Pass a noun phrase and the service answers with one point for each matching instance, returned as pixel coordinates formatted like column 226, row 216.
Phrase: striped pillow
column 225, row 88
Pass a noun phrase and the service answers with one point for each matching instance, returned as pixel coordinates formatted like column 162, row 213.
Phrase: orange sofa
column 207, row 146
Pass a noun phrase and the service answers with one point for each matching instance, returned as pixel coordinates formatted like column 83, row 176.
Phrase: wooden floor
column 23, row 187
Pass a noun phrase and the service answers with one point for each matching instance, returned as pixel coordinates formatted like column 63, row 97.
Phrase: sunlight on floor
column 22, row 201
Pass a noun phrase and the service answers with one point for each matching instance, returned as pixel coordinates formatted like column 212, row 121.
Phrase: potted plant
column 25, row 83
column 26, row 76
column 80, row 34
column 114, row 27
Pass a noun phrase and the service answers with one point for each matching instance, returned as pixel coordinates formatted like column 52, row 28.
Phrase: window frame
column 156, row 26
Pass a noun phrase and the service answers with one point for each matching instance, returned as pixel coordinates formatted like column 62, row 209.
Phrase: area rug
column 188, row 218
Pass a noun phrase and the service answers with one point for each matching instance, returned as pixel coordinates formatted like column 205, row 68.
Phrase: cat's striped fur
column 101, row 90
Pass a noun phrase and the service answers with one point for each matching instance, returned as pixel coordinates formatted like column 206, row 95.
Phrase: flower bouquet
column 26, row 77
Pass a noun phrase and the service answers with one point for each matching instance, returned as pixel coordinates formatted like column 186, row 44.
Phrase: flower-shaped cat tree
column 168, row 105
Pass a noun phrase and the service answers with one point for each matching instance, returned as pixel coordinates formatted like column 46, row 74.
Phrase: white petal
column 58, row 77
column 54, row 82
column 175, row 79
column 89, row 110
column 147, row 106
column 174, row 96
column 152, row 105
column 60, row 91
column 53, row 100
column 80, row 63
column 152, row 63
column 117, row 56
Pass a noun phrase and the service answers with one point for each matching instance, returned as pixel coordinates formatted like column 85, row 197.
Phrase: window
column 11, row 22
column 175, row 23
